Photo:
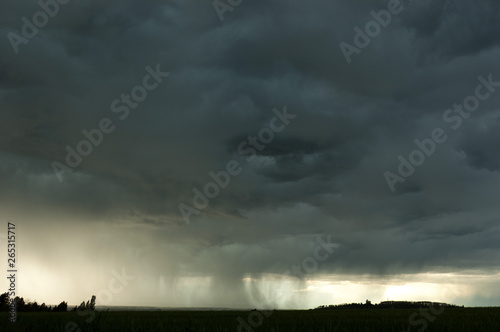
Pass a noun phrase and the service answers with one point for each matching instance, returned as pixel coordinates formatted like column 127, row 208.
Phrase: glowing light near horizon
column 42, row 284
column 287, row 292
column 415, row 292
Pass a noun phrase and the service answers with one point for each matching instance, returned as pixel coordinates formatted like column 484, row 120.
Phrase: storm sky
column 313, row 109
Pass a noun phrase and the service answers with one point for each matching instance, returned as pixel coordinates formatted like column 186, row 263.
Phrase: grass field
column 342, row 320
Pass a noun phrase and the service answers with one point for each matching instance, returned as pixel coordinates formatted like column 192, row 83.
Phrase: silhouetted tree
column 32, row 307
column 4, row 302
column 81, row 306
column 89, row 305
column 92, row 303
column 62, row 307
column 20, row 303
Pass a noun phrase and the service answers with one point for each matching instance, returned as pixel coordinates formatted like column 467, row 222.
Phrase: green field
column 365, row 320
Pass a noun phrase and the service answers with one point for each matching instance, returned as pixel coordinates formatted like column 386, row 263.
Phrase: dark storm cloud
column 448, row 29
column 321, row 175
column 479, row 144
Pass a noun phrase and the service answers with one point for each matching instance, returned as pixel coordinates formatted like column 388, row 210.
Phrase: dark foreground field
column 386, row 320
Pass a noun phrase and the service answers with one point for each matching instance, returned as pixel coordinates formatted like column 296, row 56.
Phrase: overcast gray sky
column 308, row 114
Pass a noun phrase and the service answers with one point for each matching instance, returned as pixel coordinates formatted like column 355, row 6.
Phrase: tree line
column 387, row 305
column 22, row 306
